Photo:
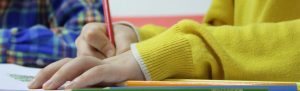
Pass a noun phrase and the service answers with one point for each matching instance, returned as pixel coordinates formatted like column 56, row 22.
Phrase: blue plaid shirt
column 39, row 32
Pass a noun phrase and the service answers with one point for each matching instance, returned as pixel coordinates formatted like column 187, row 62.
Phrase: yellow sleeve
column 265, row 51
column 220, row 13
column 149, row 30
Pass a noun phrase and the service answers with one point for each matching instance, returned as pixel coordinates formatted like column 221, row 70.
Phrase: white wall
column 125, row 8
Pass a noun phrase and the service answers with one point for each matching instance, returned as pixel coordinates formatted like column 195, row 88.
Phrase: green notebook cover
column 172, row 89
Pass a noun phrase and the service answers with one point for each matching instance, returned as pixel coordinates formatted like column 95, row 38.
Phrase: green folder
column 170, row 89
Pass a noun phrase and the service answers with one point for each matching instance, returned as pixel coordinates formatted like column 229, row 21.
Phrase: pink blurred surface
column 164, row 20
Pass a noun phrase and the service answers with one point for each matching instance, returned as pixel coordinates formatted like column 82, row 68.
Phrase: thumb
column 96, row 37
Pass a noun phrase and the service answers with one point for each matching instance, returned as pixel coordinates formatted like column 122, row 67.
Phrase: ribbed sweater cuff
column 140, row 61
column 164, row 56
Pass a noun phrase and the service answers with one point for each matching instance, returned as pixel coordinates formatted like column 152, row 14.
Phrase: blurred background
column 161, row 12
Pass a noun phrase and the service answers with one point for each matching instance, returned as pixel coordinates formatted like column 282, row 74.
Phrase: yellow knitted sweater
column 240, row 40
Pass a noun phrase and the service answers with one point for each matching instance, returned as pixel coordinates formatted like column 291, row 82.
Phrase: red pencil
column 108, row 22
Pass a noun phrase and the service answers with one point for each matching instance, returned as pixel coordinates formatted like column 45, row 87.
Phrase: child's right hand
column 93, row 40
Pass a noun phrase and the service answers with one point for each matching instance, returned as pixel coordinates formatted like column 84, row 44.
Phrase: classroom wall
column 161, row 12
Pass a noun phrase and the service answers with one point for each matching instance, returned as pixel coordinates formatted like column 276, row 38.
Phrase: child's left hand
column 88, row 71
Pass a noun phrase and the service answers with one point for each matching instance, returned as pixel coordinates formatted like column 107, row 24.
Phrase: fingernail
column 110, row 53
column 109, row 50
column 31, row 84
column 69, row 85
column 47, row 85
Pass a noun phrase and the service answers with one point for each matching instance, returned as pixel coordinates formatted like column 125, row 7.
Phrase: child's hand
column 93, row 40
column 88, row 71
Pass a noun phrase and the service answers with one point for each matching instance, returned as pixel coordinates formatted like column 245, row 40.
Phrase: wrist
column 135, row 68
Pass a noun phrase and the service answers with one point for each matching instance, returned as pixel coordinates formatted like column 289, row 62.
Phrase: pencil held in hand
column 108, row 22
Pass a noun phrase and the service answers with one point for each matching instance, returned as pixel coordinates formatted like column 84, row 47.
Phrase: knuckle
column 101, row 69
column 91, row 35
column 93, row 26
column 91, row 30
column 45, row 70
column 86, row 62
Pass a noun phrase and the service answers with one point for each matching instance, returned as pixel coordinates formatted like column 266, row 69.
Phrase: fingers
column 95, row 36
column 102, row 73
column 117, row 69
column 91, row 77
column 46, row 73
column 69, row 71
column 107, row 73
column 84, row 49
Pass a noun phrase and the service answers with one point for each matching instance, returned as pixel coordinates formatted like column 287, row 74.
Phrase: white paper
column 9, row 74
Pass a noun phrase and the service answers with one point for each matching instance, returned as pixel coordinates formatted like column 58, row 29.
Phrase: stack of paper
column 15, row 78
